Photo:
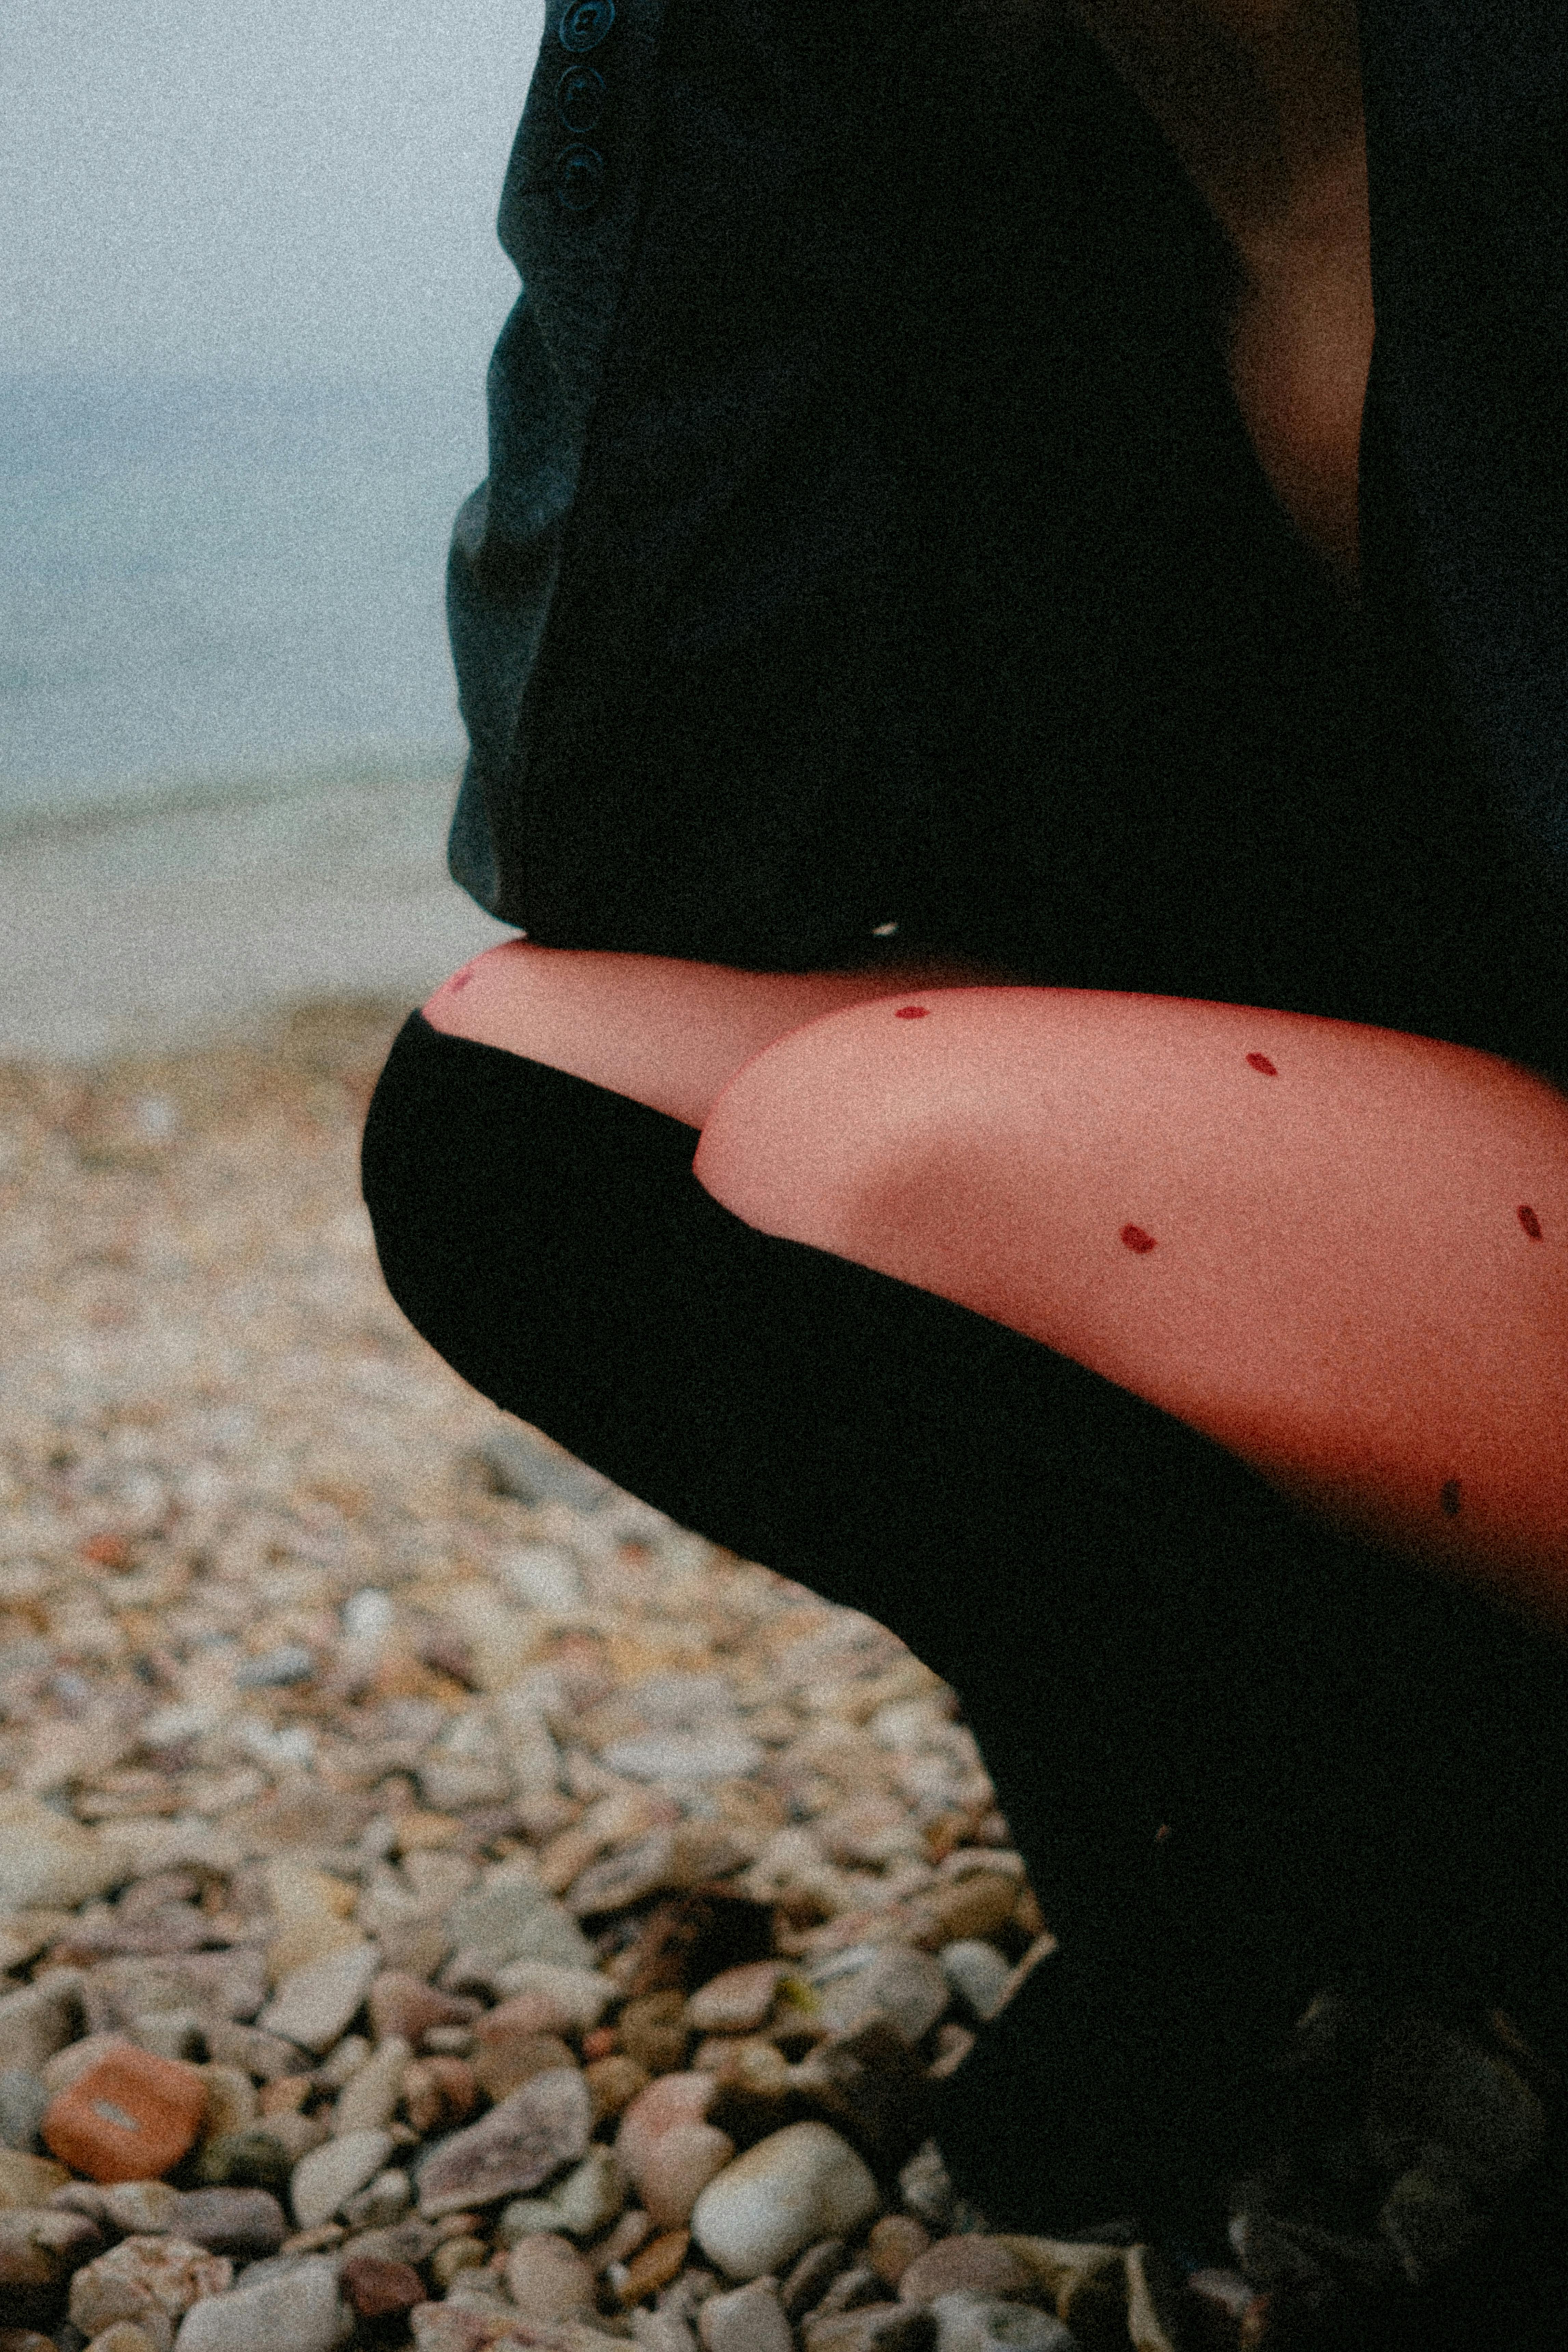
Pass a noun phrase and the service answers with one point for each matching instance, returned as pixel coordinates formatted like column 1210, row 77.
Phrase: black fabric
column 1361, row 1768
column 871, row 532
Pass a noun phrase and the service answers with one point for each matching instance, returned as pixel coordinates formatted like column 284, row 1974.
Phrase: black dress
column 871, row 538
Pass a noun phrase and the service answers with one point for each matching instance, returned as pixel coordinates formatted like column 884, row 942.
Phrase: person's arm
column 1340, row 1250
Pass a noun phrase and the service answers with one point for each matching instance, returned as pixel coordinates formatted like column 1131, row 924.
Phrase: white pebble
column 797, row 2185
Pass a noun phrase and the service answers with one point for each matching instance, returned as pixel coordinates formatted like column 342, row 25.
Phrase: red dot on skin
column 1261, row 1062
column 1137, row 1239
column 1451, row 1498
column 461, row 981
column 1530, row 1221
column 910, row 1012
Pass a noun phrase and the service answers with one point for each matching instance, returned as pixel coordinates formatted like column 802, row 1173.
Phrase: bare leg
column 666, row 1032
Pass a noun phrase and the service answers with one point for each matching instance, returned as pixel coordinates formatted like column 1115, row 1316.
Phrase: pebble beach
column 443, row 1902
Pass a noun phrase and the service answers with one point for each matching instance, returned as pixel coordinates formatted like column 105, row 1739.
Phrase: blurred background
column 249, row 290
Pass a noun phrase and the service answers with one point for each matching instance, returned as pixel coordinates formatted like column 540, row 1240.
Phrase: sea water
column 211, row 588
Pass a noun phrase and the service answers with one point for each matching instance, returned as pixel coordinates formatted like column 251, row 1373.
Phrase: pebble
column 232, row 2101
column 978, row 1974
column 328, row 2175
column 276, row 1669
column 378, row 2289
column 439, row 2091
column 586, row 2202
column 122, row 2336
column 35, row 2022
column 299, row 2311
column 800, row 2183
column 40, row 2249
column 737, row 2000
column 247, row 2222
column 150, row 2281
column 894, row 2243
column 718, row 1752
column 808, row 2281
column 405, row 2007
column 141, row 2207
column 524, row 2140
column 747, row 2319
column 28, row 2180
column 503, row 2062
column 315, row 2003
column 131, row 2116
column 48, row 1861
column 581, row 1996
column 368, row 2100
column 669, row 2149
column 971, row 2323
column 653, row 2266
column 547, row 2279
column 906, row 1987
column 246, row 2159
column 23, row 2099
column 381, row 2203
column 510, row 1917
column 976, row 2265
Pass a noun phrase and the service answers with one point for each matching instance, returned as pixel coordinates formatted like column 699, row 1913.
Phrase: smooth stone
column 586, row 2202
column 747, row 2319
column 37, row 2021
column 39, row 2249
column 717, row 1752
column 314, row 2004
column 547, row 2279
column 276, row 1669
column 248, row 2159
column 248, row 2223
column 378, row 2289
column 510, row 1917
column 738, row 2001
column 907, row 1987
column 978, row 1974
column 141, row 2207
column 48, row 1863
column 798, row 2184
column 894, row 2243
column 972, row 2323
column 975, row 2264
column 23, row 2099
column 381, row 2203
column 530, row 2136
column 299, row 2311
column 581, row 1995
column 122, row 2336
column 329, row 2174
column 232, row 2101
column 28, row 2180
column 368, row 2100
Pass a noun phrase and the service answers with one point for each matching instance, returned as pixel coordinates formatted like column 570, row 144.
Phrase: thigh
column 667, row 1033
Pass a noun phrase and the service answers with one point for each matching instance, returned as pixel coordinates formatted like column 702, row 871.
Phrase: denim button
column 586, row 23
column 579, row 177
column 580, row 98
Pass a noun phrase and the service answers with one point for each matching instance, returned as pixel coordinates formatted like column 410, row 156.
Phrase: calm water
column 210, row 589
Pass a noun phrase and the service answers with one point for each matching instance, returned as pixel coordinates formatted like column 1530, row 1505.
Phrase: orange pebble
column 657, row 2263
column 601, row 2042
column 129, row 2117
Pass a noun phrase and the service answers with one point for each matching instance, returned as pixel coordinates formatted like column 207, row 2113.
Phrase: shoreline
column 144, row 927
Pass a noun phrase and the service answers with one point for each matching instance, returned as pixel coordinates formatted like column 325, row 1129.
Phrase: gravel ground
column 443, row 1902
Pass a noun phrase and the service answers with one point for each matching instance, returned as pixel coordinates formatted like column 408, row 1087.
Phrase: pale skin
column 1345, row 1259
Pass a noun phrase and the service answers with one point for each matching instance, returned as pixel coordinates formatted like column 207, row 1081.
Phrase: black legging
column 1362, row 1769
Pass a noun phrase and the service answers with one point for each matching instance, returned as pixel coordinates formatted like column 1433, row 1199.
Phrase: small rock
column 581, row 1995
column 369, row 2100
column 654, row 2031
column 37, row 2021
column 519, row 2144
column 875, row 2328
column 716, row 1751
column 455, row 2255
column 343, row 2062
column 381, row 2203
column 38, row 2252
column 48, row 1863
column 408, row 2241
column 586, row 2202
column 613, row 2082
column 264, row 2056
column 975, row 2264
column 738, row 2000
column 969, row 1910
column 129, row 2117
column 548, row 2279
column 299, row 2311
column 511, row 1917
column 503, row 2062
column 402, row 2007
column 28, row 2180
column 123, row 2336
column 276, row 1669
column 669, row 2149
column 248, row 2222
column 972, row 2323
column 906, row 1987
column 246, row 2159
column 811, row 2277
column 747, row 2319
column 232, row 2101
column 141, row 2207
column 437, row 2091
column 315, row 2003
column 800, row 2183
column 23, row 2099
column 380, row 2290
column 896, row 2241
column 322, row 2179
column 978, row 1974
column 655, row 2265
column 927, row 2190
column 151, row 2282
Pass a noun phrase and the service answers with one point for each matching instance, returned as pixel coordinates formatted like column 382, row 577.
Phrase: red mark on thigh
column 1261, row 1062
column 910, row 1012
column 459, row 980
column 1530, row 1221
column 1451, row 1498
column 1137, row 1239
